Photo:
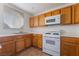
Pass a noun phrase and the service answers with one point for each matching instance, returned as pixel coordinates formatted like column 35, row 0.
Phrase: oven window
column 50, row 42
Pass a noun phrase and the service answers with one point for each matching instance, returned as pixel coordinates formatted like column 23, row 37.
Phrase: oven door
column 52, row 44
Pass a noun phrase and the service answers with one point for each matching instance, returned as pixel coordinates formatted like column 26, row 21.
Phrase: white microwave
column 52, row 20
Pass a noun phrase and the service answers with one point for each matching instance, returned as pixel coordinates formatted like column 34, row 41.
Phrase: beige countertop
column 12, row 34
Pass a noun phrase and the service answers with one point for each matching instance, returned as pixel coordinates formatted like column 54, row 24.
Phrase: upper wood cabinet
column 69, row 15
column 75, row 13
column 66, row 15
column 48, row 14
column 55, row 12
column 41, row 20
column 31, row 22
column 35, row 21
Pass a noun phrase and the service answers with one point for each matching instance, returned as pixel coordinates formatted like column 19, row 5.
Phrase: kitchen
column 39, row 29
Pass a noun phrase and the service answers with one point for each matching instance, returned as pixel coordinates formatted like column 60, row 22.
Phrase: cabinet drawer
column 68, row 39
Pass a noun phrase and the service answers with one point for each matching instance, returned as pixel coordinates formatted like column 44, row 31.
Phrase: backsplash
column 40, row 30
column 70, row 30
column 66, row 30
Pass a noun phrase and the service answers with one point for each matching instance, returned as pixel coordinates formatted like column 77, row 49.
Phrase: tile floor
column 32, row 52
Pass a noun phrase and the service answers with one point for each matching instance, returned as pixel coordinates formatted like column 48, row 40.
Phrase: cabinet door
column 75, row 13
column 35, row 21
column 31, row 22
column 40, row 43
column 28, row 42
column 19, row 45
column 7, row 48
column 55, row 12
column 66, row 15
column 48, row 14
column 68, row 49
column 35, row 42
column 42, row 20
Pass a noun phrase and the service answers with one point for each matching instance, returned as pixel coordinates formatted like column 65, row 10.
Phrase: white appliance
column 52, row 20
column 51, row 43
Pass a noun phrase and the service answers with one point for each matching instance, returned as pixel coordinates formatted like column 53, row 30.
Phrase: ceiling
column 35, row 8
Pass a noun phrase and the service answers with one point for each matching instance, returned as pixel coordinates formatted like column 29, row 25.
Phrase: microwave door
column 52, row 20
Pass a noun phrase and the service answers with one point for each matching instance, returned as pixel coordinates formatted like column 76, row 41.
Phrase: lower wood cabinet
column 7, row 48
column 28, row 42
column 39, row 43
column 69, row 46
column 37, row 40
column 13, row 45
column 19, row 45
column 34, row 41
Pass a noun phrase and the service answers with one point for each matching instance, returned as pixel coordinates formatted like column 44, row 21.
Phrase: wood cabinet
column 34, row 40
column 37, row 40
column 69, row 46
column 69, row 15
column 20, row 45
column 41, row 20
column 31, row 22
column 56, row 12
column 66, row 16
column 35, row 21
column 11, row 45
column 48, row 14
column 75, row 13
column 7, row 48
column 28, row 41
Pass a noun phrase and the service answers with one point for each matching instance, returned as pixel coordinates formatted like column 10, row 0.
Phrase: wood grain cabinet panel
column 40, row 43
column 56, row 12
column 31, row 22
column 41, row 20
column 69, row 49
column 75, row 13
column 20, row 45
column 69, row 46
column 28, row 40
column 37, row 41
column 66, row 16
column 7, row 48
column 34, row 40
column 35, row 21
column 48, row 14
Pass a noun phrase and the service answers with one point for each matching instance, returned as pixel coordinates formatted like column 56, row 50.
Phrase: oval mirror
column 13, row 18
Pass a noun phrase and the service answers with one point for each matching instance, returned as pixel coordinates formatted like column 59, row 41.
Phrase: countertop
column 75, row 36
column 13, row 34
